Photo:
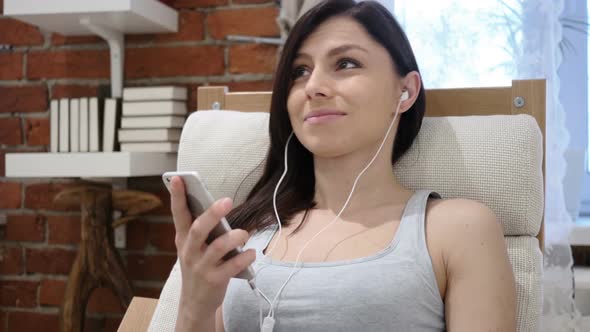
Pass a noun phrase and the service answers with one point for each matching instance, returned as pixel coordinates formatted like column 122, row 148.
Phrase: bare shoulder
column 460, row 224
column 462, row 215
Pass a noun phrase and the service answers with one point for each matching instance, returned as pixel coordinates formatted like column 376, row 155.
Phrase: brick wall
column 38, row 240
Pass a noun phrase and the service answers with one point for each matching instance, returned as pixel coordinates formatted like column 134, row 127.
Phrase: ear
column 410, row 83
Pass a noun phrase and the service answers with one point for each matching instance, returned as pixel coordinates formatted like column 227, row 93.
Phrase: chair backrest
column 479, row 143
column 522, row 97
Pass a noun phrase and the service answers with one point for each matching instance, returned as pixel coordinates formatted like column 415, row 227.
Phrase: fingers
column 235, row 265
column 180, row 212
column 204, row 224
column 224, row 244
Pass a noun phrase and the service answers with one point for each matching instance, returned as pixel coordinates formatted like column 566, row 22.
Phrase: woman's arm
column 481, row 291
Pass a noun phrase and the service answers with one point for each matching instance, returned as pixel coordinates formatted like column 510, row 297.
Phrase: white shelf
column 64, row 16
column 89, row 165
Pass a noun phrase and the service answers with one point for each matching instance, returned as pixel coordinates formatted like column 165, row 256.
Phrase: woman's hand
column 205, row 275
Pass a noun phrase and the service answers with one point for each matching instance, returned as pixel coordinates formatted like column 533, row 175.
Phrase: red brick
column 190, row 28
column 59, row 40
column 63, row 229
column 173, row 61
column 11, row 195
column 18, row 33
column 25, row 228
column 58, row 261
column 37, row 131
column 19, row 294
column 68, row 64
column 195, row 3
column 192, row 102
column 11, row 260
column 23, row 99
column 33, row 321
column 152, row 267
column 73, row 91
column 41, row 195
column 102, row 300
column 10, row 131
column 162, row 236
column 11, row 66
column 137, row 235
column 252, row 58
column 246, row 21
column 52, row 292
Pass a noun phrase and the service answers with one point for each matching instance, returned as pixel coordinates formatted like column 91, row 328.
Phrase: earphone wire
column 294, row 270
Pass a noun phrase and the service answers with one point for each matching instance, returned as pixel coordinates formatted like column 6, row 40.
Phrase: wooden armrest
column 139, row 315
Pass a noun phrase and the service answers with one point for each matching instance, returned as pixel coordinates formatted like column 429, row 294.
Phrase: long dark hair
column 297, row 190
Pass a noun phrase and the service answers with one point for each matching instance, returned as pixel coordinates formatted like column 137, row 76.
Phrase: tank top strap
column 412, row 229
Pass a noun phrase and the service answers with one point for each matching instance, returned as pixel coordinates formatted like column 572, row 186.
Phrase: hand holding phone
column 199, row 200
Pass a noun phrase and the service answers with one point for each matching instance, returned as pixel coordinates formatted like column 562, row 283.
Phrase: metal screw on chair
column 216, row 105
column 518, row 102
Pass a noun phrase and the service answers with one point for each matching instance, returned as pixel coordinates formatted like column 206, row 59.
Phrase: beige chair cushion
column 493, row 159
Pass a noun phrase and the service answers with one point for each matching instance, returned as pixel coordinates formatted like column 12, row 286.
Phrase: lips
column 323, row 115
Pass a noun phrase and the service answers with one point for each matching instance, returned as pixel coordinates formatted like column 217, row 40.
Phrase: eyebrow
column 336, row 50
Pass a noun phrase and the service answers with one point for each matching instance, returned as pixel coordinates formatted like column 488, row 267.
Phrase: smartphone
column 199, row 199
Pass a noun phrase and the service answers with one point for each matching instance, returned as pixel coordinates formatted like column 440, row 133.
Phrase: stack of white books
column 152, row 118
column 80, row 124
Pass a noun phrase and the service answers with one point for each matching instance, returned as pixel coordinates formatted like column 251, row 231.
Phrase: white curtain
column 488, row 43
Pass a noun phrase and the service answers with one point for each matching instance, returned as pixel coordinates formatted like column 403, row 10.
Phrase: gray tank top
column 392, row 290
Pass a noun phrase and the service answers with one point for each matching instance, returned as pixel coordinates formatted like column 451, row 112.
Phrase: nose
column 318, row 84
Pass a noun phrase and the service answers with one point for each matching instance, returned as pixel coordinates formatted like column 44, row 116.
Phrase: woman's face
column 345, row 90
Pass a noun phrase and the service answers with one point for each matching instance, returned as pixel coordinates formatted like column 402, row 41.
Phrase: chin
column 325, row 147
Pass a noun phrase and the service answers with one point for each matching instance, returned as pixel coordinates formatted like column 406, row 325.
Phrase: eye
column 298, row 72
column 347, row 64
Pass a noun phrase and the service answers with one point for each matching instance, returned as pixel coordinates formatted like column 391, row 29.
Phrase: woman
column 371, row 254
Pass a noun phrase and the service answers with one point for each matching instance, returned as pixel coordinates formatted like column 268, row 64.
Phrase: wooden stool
column 98, row 263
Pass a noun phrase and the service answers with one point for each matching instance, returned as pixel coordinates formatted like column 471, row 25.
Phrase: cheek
column 295, row 104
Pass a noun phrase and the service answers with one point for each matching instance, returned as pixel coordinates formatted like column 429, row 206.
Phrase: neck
column 335, row 177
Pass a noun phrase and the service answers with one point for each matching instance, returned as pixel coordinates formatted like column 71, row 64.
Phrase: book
column 155, row 93
column 54, row 126
column 159, row 107
column 150, row 147
column 74, row 125
column 94, row 125
column 149, row 135
column 109, row 127
column 167, row 121
column 64, row 125
column 83, row 124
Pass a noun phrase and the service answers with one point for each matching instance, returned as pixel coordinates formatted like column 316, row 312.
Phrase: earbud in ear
column 405, row 95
